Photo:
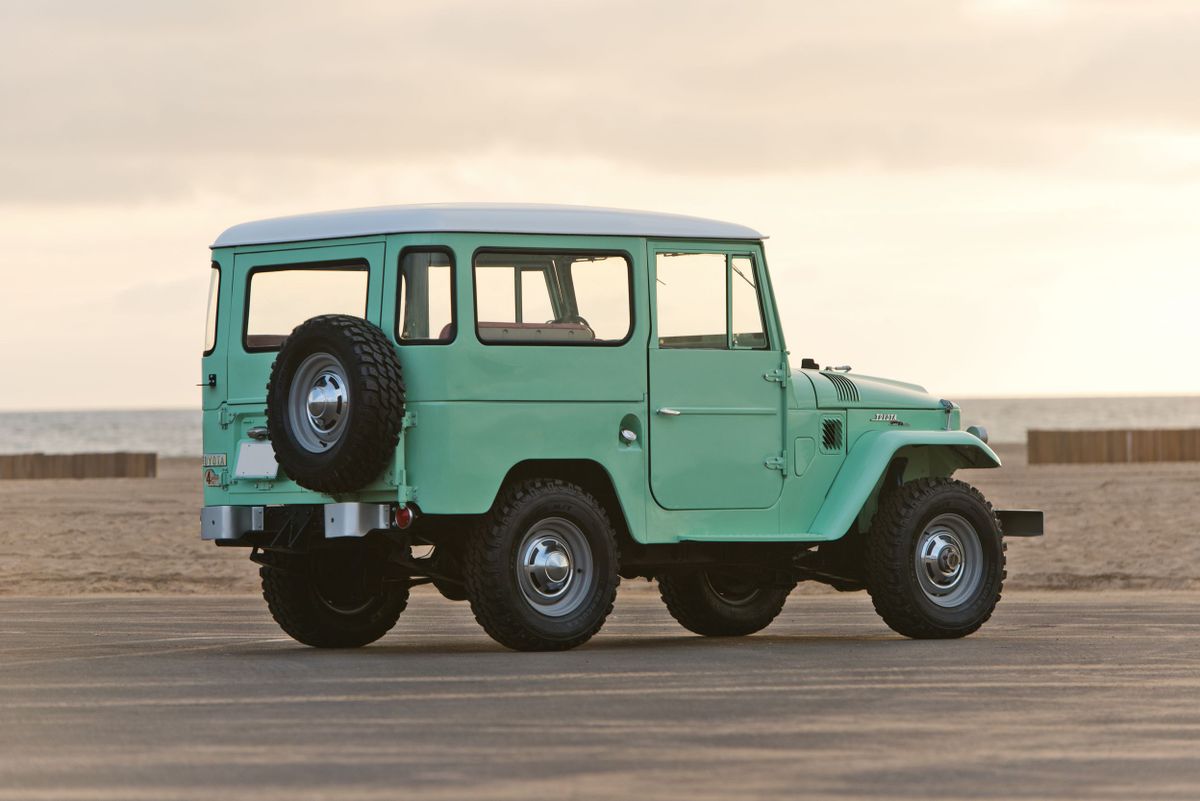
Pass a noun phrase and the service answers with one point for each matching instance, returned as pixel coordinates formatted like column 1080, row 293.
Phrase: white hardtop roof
column 494, row 218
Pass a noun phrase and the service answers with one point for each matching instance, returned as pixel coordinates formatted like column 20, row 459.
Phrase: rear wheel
column 338, row 599
column 721, row 604
column 935, row 559
column 541, row 573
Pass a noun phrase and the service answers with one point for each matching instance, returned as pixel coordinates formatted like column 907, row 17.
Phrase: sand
column 1108, row 527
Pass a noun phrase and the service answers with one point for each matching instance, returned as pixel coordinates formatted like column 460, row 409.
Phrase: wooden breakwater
column 1116, row 446
column 78, row 465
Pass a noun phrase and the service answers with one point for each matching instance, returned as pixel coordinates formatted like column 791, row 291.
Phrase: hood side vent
column 844, row 387
column 831, row 435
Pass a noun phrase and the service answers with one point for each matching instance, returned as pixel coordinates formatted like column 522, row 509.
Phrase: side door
column 716, row 404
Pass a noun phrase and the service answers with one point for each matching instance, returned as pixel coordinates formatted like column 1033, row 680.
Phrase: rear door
column 273, row 292
column 716, row 404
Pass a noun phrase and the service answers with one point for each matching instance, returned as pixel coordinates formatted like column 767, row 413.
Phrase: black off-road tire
column 492, row 559
column 296, row 599
column 450, row 590
column 376, row 404
column 695, row 600
column 892, row 581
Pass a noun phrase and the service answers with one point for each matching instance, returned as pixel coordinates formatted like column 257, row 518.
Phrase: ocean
column 177, row 432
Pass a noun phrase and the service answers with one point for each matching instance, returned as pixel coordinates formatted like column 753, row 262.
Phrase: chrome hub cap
column 319, row 401
column 949, row 560
column 327, row 401
column 554, row 566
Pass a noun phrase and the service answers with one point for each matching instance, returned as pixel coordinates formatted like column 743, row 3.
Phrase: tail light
column 405, row 515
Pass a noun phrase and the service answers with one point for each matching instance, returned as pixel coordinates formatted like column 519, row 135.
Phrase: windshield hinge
column 776, row 462
column 779, row 374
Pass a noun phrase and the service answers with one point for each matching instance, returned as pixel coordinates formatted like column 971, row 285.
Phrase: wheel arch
column 589, row 474
column 880, row 458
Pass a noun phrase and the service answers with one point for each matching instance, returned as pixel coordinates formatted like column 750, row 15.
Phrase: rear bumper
column 1021, row 522
column 230, row 524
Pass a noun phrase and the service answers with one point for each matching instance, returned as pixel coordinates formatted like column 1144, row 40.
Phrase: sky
column 987, row 197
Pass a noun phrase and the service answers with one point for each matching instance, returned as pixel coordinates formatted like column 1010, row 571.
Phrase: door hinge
column 776, row 462
column 779, row 374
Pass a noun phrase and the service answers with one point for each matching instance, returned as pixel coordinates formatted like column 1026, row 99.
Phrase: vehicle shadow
column 395, row 646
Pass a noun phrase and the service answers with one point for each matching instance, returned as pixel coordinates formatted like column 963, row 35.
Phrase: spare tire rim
column 319, row 402
column 554, row 566
column 949, row 560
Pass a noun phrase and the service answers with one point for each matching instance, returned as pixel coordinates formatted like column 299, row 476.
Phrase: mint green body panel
column 743, row 461
column 865, row 466
column 711, row 455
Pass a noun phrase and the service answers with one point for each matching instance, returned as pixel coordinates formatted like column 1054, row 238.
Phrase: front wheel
column 541, row 573
column 935, row 559
column 721, row 604
column 335, row 600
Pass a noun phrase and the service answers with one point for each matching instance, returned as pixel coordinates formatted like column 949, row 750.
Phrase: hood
column 852, row 391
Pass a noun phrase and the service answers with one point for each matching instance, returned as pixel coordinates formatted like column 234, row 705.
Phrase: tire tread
column 291, row 604
column 684, row 596
column 887, row 548
column 485, row 565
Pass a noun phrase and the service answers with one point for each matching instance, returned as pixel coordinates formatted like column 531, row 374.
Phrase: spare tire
column 335, row 403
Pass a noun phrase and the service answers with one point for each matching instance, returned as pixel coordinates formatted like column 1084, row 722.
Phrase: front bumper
column 1021, row 522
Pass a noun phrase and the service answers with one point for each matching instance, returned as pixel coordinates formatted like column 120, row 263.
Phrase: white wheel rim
column 554, row 568
column 730, row 595
column 948, row 560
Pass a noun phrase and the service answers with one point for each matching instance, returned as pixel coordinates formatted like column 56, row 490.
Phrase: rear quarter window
column 426, row 300
column 210, row 323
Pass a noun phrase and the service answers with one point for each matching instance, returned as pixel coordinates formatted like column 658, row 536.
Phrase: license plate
column 256, row 460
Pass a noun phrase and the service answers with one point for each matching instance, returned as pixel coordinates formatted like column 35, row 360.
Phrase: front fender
column 940, row 452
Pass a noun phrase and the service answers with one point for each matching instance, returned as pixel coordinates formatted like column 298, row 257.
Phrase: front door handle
column 665, row 412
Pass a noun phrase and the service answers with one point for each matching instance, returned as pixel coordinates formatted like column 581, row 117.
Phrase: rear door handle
column 665, row 412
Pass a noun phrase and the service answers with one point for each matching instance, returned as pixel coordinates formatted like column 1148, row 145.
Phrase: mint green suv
column 523, row 404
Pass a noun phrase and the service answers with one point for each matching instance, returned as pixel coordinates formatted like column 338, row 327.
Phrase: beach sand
column 1108, row 527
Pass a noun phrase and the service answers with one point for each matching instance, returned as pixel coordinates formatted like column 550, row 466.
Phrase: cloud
column 144, row 100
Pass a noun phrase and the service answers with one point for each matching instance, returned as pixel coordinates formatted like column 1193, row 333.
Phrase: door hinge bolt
column 776, row 463
column 778, row 374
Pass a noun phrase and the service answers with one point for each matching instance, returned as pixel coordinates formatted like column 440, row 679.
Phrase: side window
column 600, row 288
column 709, row 301
column 746, row 301
column 552, row 298
column 210, row 324
column 691, row 300
column 426, row 302
column 280, row 298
